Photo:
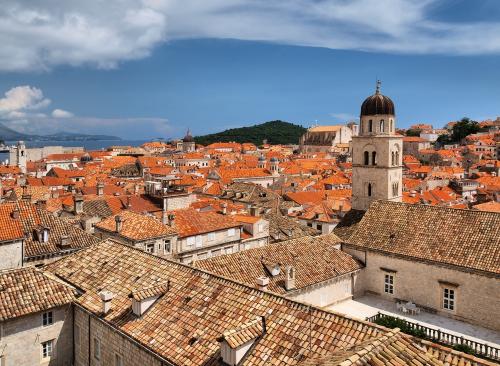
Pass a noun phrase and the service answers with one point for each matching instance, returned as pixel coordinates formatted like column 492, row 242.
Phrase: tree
column 464, row 128
column 413, row 132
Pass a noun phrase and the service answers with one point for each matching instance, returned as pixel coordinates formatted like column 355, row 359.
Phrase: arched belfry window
column 374, row 158
column 393, row 158
column 381, row 125
column 392, row 126
column 370, row 126
column 396, row 158
column 369, row 190
column 367, row 158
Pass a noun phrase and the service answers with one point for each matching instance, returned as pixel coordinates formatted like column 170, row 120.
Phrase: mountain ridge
column 8, row 134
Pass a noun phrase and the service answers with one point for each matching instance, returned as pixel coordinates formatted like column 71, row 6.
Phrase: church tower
column 376, row 154
column 21, row 157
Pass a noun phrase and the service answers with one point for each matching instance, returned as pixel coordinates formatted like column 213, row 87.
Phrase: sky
column 142, row 69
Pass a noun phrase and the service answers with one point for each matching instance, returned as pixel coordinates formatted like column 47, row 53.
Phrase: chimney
column 164, row 218
column 78, row 204
column 119, row 223
column 100, row 188
column 290, row 278
column 254, row 211
column 15, row 214
column 262, row 283
column 65, row 242
column 224, row 208
column 106, row 297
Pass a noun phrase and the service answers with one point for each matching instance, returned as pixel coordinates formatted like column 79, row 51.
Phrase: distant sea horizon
column 87, row 145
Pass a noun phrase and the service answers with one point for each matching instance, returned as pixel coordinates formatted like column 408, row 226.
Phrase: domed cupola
column 377, row 104
column 188, row 137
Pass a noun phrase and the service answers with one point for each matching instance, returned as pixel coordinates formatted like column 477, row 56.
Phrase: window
column 389, row 284
column 374, row 158
column 310, row 224
column 370, row 126
column 166, row 245
column 448, row 299
column 77, row 335
column 261, row 228
column 381, row 125
column 367, row 158
column 118, row 360
column 47, row 349
column 319, row 227
column 150, row 247
column 199, row 241
column 190, row 241
column 231, row 232
column 97, row 349
column 369, row 190
column 393, row 158
column 47, row 318
column 392, row 125
column 211, row 236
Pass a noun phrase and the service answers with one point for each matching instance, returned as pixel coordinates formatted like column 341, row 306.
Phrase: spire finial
column 377, row 90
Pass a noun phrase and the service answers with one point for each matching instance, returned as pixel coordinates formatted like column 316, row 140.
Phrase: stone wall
column 477, row 299
column 21, row 339
column 113, row 344
column 11, row 255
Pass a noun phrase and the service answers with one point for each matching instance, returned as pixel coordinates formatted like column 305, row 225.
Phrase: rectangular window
column 211, row 236
column 309, row 224
column 199, row 241
column 231, row 232
column 389, row 284
column 166, row 245
column 47, row 318
column 150, row 247
column 97, row 349
column 191, row 240
column 118, row 360
column 47, row 349
column 261, row 228
column 319, row 226
column 449, row 299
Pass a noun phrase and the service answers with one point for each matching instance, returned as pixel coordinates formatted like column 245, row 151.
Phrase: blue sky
column 217, row 64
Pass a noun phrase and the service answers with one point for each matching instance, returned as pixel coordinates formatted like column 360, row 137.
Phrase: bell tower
column 376, row 154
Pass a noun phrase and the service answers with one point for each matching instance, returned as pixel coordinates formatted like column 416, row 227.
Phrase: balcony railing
column 438, row 336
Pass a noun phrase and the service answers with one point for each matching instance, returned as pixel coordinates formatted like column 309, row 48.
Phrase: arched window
column 392, row 158
column 367, row 158
column 396, row 158
column 381, row 125
column 370, row 126
column 392, row 126
column 369, row 189
column 395, row 189
column 374, row 158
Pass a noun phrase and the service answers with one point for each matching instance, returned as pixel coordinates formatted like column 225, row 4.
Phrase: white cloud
column 61, row 113
column 21, row 98
column 42, row 34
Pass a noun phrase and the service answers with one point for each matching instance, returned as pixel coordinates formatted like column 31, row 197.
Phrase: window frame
column 47, row 318
column 449, row 299
column 389, row 286
column 97, row 349
column 118, row 359
column 48, row 349
column 149, row 248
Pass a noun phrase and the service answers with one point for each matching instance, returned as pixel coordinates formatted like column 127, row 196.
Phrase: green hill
column 275, row 132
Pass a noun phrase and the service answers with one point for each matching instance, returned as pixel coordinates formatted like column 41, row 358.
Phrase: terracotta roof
column 184, row 325
column 464, row 238
column 189, row 222
column 136, row 226
column 244, row 333
column 396, row 348
column 28, row 290
column 314, row 259
column 491, row 206
column 10, row 228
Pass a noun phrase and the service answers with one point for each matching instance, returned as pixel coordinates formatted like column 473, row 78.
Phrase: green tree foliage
column 413, row 132
column 275, row 132
column 461, row 129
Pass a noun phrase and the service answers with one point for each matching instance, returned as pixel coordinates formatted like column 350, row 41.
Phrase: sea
column 87, row 145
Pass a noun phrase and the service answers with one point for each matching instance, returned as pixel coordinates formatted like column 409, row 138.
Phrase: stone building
column 187, row 144
column 442, row 259
column 140, row 231
column 376, row 154
column 35, row 319
column 178, row 315
column 312, row 270
column 326, row 138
